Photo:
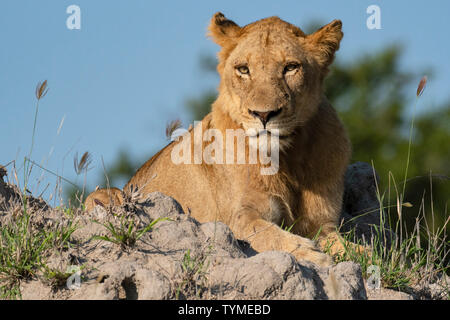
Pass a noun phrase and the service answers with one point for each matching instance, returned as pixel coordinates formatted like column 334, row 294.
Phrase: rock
column 158, row 205
column 345, row 282
column 152, row 285
column 361, row 208
column 182, row 258
column 223, row 240
column 435, row 288
column 11, row 196
column 387, row 294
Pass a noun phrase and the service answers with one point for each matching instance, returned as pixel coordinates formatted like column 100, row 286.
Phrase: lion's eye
column 291, row 67
column 243, row 70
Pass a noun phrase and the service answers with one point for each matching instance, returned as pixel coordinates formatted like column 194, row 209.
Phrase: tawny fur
column 314, row 148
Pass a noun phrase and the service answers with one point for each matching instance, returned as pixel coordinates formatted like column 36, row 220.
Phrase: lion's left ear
column 222, row 30
column 325, row 42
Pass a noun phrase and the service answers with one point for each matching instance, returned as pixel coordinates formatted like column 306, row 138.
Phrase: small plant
column 288, row 228
column 61, row 234
column 20, row 248
column 405, row 262
column 82, row 166
column 127, row 233
column 194, row 275
column 57, row 278
column 24, row 248
column 405, row 258
column 10, row 291
column 40, row 92
column 21, row 251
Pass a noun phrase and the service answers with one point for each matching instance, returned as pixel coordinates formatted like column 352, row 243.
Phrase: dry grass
column 171, row 127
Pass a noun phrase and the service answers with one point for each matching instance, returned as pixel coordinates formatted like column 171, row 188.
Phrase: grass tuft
column 24, row 249
column 127, row 232
column 192, row 282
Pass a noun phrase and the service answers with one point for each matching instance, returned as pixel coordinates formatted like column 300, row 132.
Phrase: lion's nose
column 264, row 116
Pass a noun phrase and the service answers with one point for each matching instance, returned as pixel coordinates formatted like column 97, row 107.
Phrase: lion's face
column 272, row 72
column 270, row 80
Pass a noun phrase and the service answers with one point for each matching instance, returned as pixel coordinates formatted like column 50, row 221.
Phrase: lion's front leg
column 334, row 244
column 321, row 212
column 266, row 236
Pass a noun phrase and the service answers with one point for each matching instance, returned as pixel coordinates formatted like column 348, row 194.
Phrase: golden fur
column 286, row 69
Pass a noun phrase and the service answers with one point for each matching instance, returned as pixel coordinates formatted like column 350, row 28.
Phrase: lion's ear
column 222, row 30
column 325, row 42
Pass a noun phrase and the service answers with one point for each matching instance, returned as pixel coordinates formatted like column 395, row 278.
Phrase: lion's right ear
column 222, row 30
column 325, row 42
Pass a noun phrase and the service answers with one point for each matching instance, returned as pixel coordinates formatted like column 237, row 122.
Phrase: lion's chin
column 273, row 132
column 282, row 138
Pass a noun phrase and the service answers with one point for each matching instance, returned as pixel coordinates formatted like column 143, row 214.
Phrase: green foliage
column 371, row 98
column 405, row 261
column 201, row 106
column 127, row 232
column 57, row 278
column 194, row 274
column 288, row 228
column 61, row 234
column 193, row 265
column 23, row 250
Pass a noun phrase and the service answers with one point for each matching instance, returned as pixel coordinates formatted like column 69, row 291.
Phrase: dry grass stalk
column 41, row 89
column 421, row 86
column 171, row 127
column 83, row 164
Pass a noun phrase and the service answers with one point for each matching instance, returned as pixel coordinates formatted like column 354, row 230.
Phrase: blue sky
column 126, row 73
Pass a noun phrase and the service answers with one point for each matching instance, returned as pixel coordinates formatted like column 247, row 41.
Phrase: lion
column 271, row 80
